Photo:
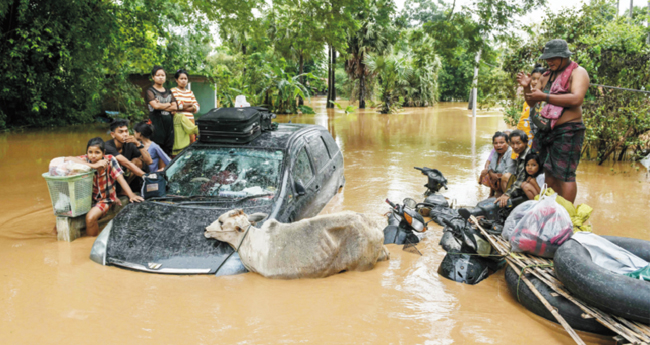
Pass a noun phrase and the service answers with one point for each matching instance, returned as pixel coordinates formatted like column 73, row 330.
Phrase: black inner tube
column 611, row 292
column 569, row 311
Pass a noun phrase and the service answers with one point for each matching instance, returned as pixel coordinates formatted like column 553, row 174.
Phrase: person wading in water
column 564, row 87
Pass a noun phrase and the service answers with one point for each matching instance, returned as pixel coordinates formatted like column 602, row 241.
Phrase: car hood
column 168, row 238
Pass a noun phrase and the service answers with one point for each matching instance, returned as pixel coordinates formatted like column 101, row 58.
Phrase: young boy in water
column 108, row 171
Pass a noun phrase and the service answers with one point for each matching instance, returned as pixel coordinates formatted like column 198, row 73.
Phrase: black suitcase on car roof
column 266, row 121
column 230, row 125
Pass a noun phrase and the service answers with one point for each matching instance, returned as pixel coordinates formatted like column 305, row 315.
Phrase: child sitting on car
column 107, row 172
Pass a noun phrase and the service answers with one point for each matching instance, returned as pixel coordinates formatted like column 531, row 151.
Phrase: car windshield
column 225, row 172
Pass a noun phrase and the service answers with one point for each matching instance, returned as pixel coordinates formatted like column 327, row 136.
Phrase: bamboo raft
column 629, row 332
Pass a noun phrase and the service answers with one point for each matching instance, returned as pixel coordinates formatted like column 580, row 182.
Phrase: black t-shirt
column 129, row 150
column 162, row 121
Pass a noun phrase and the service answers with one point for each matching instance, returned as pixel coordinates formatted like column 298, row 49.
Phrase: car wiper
column 181, row 197
column 225, row 200
column 252, row 197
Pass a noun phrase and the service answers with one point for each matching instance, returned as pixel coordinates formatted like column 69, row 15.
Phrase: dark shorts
column 560, row 149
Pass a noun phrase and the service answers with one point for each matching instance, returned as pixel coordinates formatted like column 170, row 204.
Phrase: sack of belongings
column 514, row 218
column 60, row 167
column 579, row 214
column 543, row 228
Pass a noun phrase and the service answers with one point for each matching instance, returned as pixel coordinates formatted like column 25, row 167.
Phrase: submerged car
column 286, row 174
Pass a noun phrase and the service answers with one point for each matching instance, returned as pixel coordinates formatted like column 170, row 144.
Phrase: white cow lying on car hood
column 310, row 248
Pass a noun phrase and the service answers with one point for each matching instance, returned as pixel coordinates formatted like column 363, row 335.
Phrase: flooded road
column 51, row 293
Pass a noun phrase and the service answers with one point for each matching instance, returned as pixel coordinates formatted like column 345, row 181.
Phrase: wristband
column 140, row 147
column 548, row 98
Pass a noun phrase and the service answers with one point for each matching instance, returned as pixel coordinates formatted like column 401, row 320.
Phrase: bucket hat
column 556, row 48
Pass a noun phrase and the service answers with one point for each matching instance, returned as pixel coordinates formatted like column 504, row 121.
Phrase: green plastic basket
column 71, row 195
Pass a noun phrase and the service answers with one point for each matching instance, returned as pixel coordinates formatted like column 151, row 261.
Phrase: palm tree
column 375, row 36
column 393, row 74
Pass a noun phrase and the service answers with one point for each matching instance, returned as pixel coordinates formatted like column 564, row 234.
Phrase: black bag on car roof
column 230, row 125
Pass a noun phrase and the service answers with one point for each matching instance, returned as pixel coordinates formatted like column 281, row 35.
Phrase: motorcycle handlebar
column 390, row 203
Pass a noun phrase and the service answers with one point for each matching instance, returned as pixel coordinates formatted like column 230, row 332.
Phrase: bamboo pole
column 631, row 331
column 553, row 310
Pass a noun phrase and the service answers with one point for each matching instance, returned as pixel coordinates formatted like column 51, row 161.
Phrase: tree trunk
column 362, row 85
column 622, row 154
column 333, row 75
column 329, row 77
column 302, row 78
column 243, row 51
column 618, row 5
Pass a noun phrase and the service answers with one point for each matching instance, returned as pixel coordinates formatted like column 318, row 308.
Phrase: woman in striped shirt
column 182, row 94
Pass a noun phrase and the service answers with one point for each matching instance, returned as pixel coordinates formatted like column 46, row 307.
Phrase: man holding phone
column 130, row 153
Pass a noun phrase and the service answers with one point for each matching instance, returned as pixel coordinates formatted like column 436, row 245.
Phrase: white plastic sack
column 60, row 168
column 55, row 162
column 62, row 203
column 515, row 216
column 240, row 101
column 543, row 229
column 608, row 255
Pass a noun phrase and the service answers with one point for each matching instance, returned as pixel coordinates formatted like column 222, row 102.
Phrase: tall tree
column 295, row 32
column 375, row 35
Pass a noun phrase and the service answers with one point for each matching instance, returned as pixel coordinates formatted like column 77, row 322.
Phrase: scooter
column 403, row 223
column 435, row 182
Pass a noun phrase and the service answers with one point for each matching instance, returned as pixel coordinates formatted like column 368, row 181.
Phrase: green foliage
column 614, row 52
column 347, row 110
column 375, row 35
column 304, row 109
column 282, row 89
column 67, row 60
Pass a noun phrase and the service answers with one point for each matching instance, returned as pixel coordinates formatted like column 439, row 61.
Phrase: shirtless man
column 559, row 148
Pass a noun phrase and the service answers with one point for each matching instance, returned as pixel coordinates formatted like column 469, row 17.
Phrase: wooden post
column 69, row 229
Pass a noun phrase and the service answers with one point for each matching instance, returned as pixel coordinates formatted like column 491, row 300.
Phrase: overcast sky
column 553, row 5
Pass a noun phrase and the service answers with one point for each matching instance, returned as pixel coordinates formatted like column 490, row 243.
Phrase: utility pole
column 618, row 6
column 631, row 8
column 475, row 85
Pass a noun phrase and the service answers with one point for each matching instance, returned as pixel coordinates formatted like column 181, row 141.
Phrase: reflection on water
column 50, row 292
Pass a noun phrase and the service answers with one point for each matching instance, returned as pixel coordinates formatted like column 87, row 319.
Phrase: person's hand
column 502, row 200
column 523, row 79
column 536, row 96
column 135, row 198
column 131, row 139
column 101, row 164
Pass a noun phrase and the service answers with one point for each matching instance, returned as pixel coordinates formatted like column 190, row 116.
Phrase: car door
column 322, row 162
column 302, row 172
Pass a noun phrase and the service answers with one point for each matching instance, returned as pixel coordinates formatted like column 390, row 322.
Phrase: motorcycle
column 403, row 223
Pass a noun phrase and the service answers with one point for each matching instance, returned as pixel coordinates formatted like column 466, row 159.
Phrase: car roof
column 278, row 139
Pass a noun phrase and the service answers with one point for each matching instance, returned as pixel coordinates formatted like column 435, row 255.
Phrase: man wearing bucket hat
column 561, row 132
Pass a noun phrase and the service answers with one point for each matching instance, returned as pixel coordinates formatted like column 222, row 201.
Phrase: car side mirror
column 300, row 189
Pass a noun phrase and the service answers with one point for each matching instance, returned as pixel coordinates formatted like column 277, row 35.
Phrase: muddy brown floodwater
column 51, row 293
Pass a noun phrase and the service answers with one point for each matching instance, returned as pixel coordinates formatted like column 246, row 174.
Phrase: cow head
column 230, row 227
